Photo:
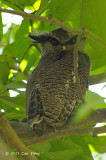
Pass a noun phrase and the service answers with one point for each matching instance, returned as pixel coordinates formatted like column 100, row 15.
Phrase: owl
column 52, row 92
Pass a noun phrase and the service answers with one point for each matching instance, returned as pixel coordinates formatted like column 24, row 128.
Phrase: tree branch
column 81, row 14
column 94, row 37
column 54, row 21
column 65, row 132
column 24, row 131
column 12, row 138
column 74, row 129
column 49, row 19
column 99, row 78
column 5, row 152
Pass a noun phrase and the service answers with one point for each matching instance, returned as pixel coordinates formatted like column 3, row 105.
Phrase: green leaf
column 32, row 57
column 98, row 143
column 70, row 148
column 13, row 102
column 21, row 44
column 1, row 28
column 18, row 4
column 11, row 4
column 92, row 101
column 4, row 71
column 98, row 71
column 9, row 59
column 13, row 106
column 93, row 19
column 61, row 10
column 10, row 50
column 2, row 88
column 22, row 41
column 24, row 2
column 15, row 85
column 19, row 76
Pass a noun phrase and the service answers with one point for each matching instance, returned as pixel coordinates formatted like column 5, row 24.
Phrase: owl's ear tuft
column 37, row 39
column 38, row 36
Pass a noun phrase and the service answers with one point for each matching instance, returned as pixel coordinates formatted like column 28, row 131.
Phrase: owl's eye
column 54, row 41
column 73, row 40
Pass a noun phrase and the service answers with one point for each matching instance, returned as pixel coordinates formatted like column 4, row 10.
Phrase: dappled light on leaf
column 91, row 148
column 11, row 73
column 37, row 4
column 17, row 108
column 23, row 65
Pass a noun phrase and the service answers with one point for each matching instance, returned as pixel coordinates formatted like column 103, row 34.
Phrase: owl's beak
column 64, row 47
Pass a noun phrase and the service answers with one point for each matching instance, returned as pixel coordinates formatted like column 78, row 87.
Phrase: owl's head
column 55, row 41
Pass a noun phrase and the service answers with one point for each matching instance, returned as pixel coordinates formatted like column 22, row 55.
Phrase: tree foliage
column 19, row 57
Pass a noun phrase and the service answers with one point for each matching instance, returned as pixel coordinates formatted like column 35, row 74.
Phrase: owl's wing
column 84, row 61
column 35, row 109
column 84, row 69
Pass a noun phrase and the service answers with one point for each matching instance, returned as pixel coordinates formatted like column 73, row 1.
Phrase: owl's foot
column 41, row 127
column 37, row 125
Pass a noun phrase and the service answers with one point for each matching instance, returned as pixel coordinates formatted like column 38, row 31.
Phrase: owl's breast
column 58, row 91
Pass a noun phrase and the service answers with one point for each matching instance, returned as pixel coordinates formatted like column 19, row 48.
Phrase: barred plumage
column 52, row 93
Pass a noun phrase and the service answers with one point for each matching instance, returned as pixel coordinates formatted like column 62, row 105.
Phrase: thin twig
column 81, row 14
column 75, row 56
column 75, row 61
column 37, row 47
column 49, row 19
column 4, row 91
column 56, row 22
